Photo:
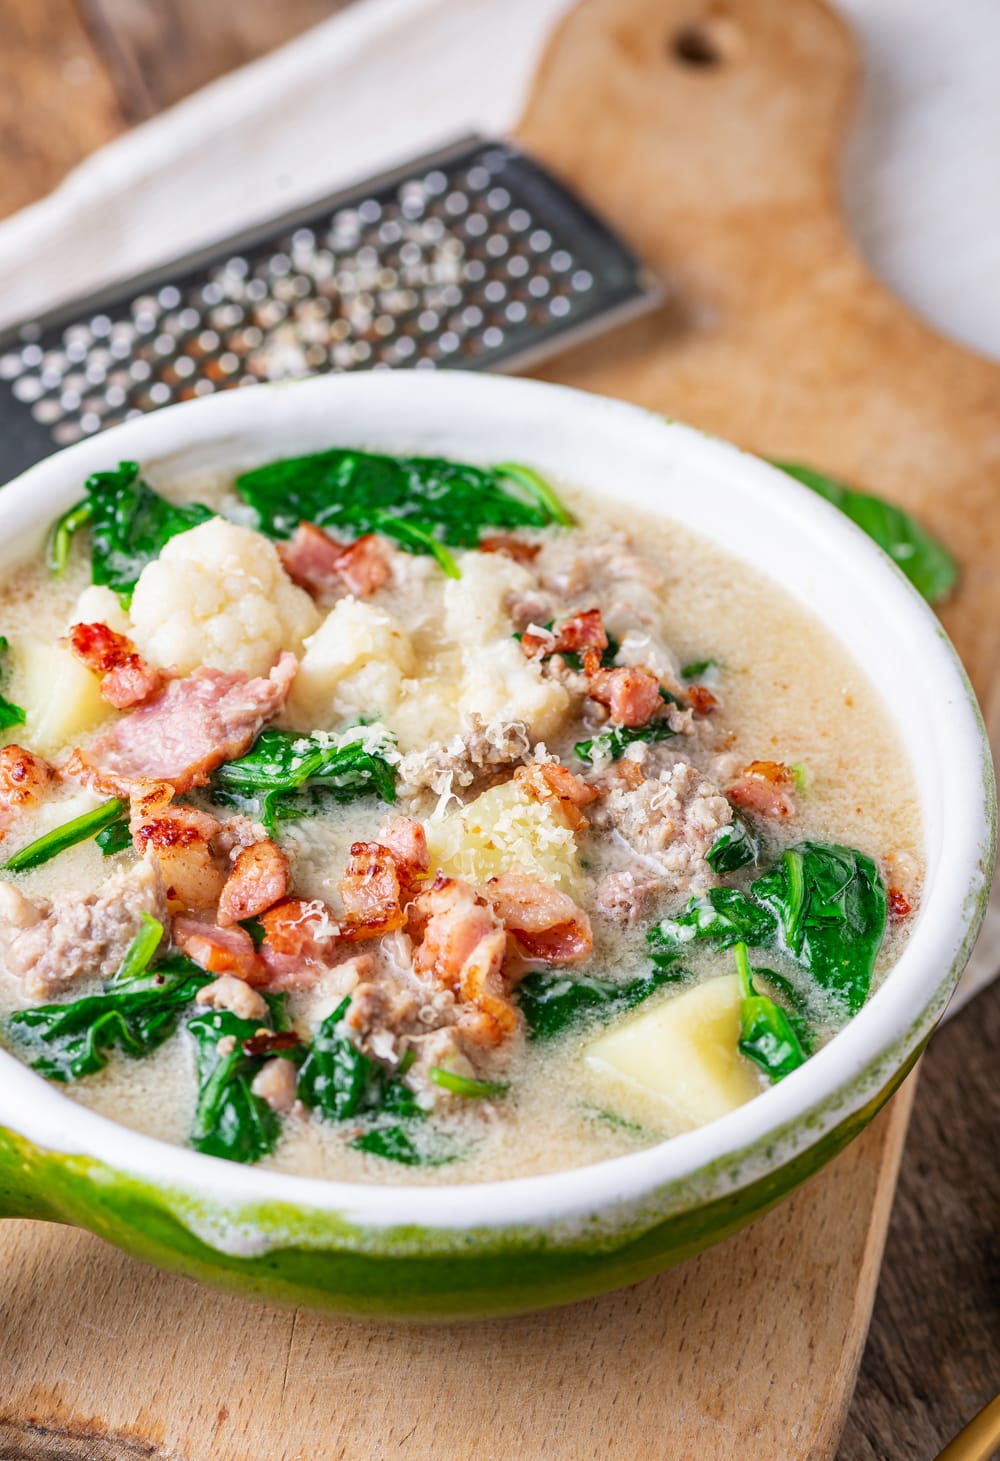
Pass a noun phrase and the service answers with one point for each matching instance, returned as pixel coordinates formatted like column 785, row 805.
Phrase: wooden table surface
column 74, row 73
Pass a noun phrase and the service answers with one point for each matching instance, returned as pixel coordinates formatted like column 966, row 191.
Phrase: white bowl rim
column 794, row 1115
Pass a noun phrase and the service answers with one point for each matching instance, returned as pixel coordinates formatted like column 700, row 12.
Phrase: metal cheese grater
column 472, row 258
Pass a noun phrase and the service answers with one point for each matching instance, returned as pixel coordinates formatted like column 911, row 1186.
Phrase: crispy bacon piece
column 321, row 565
column 220, row 950
column 702, row 701
column 182, row 839
column 482, row 986
column 899, row 905
column 510, row 546
column 126, row 678
column 581, row 633
column 260, row 878
column 300, row 942
column 545, row 923
column 407, row 841
column 182, row 734
column 462, row 948
column 765, row 787
column 373, row 901
column 23, row 778
column 631, row 693
column 550, row 781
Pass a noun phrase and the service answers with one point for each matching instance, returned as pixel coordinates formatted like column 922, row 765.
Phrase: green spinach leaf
column 117, row 837
column 823, row 904
column 612, row 743
column 734, row 847
column 68, row 1041
column 722, row 917
column 339, row 1081
column 129, row 526
column 698, row 669
column 10, row 714
column 830, row 905
column 285, row 775
column 926, row 562
column 395, row 1144
column 80, row 829
column 230, row 1120
column 464, row 1085
column 363, row 492
column 140, row 953
column 552, row 1002
column 767, row 1035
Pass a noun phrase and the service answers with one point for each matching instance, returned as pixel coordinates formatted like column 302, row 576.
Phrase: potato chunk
column 681, row 1056
column 60, row 697
column 505, row 830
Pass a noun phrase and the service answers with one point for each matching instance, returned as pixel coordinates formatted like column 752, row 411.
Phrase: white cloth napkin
column 388, row 79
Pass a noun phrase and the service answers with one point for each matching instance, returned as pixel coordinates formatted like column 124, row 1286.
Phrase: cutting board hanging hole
column 707, row 43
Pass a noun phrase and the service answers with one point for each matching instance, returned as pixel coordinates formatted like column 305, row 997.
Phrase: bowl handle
column 20, row 1194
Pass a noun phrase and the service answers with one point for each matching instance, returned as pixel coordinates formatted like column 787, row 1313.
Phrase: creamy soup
column 400, row 821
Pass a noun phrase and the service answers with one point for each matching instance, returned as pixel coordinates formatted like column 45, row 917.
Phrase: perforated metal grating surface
column 475, row 258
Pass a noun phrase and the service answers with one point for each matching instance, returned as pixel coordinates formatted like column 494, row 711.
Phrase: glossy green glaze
column 456, row 1273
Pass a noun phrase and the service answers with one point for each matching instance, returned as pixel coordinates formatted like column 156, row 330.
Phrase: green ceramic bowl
column 512, row 1246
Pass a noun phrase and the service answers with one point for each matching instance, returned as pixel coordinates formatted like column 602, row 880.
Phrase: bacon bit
column 581, row 632
column 537, row 642
column 182, row 734
column 767, row 788
column 300, row 942
column 546, row 924
column 549, row 781
column 462, row 948
column 182, row 841
column 364, row 566
column 631, row 693
column 320, row 564
column 126, row 678
column 482, row 985
column 260, row 878
column 510, row 547
column 267, row 1042
column 406, row 840
column 220, row 950
column 702, row 701
column 370, row 891
column 899, row 905
column 23, row 777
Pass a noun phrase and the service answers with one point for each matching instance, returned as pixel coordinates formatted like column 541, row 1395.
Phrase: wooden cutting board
column 710, row 136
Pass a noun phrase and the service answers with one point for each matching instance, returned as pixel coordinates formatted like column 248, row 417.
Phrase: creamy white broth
column 788, row 693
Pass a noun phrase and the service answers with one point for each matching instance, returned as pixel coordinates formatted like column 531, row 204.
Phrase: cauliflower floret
column 498, row 682
column 218, row 596
column 506, row 830
column 475, row 609
column 100, row 605
column 353, row 665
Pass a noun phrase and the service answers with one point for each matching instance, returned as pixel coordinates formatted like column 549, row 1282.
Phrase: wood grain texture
column 725, row 178
column 933, row 1355
column 721, row 168
column 57, row 103
column 90, row 1339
